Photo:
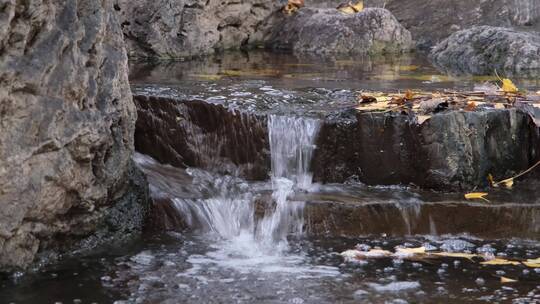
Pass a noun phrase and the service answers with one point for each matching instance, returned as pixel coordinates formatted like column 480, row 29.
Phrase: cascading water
column 291, row 146
column 227, row 209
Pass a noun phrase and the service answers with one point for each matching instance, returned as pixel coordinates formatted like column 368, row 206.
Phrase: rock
column 199, row 134
column 328, row 31
column 66, row 124
column 453, row 150
column 430, row 22
column 187, row 28
column 484, row 49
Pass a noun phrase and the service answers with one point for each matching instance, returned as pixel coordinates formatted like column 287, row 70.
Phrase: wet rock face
column 395, row 219
column 199, row 134
column 451, row 151
column 186, row 28
column 66, row 125
column 328, row 31
column 484, row 49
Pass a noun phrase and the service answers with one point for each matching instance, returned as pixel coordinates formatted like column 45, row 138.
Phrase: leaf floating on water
column 499, row 261
column 508, row 86
column 477, row 195
column 408, row 68
column 532, row 263
column 507, row 280
column 410, row 251
column 461, row 255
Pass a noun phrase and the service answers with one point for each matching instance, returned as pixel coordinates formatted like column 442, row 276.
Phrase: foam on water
column 225, row 212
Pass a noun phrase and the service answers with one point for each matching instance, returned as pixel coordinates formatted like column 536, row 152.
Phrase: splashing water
column 292, row 141
column 226, row 206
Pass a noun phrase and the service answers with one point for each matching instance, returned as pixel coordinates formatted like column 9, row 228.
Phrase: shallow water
column 249, row 242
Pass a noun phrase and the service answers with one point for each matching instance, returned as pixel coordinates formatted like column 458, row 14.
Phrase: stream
column 245, row 241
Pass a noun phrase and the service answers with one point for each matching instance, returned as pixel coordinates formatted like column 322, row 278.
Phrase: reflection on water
column 299, row 84
column 286, row 71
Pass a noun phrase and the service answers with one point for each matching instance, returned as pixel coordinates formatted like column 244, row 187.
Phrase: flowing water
column 231, row 240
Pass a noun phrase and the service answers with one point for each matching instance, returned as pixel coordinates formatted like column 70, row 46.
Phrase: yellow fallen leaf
column 350, row 8
column 469, row 256
column 499, row 106
column 408, row 68
column 359, row 6
column 507, row 280
column 508, row 86
column 410, row 251
column 532, row 263
column 374, row 106
column 423, row 118
column 491, row 180
column 508, row 183
column 499, row 261
column 477, row 195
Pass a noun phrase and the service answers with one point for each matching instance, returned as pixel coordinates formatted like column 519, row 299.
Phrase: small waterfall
column 292, row 142
column 225, row 206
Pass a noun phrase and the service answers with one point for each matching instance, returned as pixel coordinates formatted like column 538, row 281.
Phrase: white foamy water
column 225, row 211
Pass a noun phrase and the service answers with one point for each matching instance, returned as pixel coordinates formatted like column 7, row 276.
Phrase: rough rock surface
column 432, row 21
column 451, row 151
column 185, row 28
column 66, row 124
column 484, row 49
column 199, row 134
column 328, row 31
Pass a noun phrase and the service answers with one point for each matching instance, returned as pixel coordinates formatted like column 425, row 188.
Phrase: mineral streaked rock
column 186, row 28
column 483, row 49
column 328, row 31
column 66, row 125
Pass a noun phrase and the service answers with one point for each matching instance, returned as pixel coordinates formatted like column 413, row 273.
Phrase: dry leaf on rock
column 508, row 86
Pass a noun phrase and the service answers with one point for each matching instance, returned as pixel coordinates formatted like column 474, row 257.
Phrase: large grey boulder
column 484, row 49
column 328, row 31
column 186, row 28
column 432, row 21
column 66, row 128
